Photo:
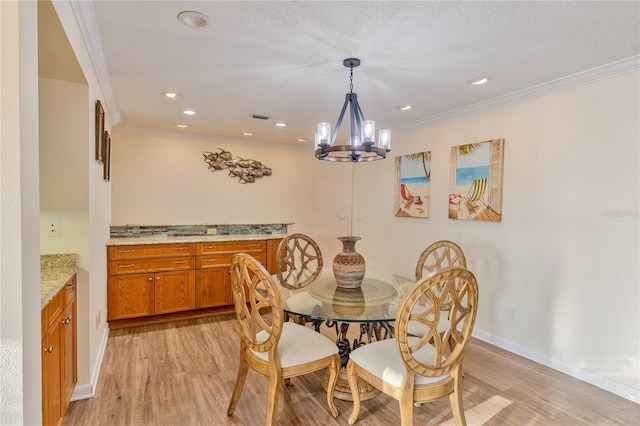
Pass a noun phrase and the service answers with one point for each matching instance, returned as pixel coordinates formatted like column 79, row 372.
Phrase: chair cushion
column 299, row 344
column 383, row 360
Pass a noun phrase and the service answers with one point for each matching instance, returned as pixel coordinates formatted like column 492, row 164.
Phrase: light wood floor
column 183, row 373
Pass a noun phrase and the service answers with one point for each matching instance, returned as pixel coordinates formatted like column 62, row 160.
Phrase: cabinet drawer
column 231, row 246
column 69, row 291
column 122, row 267
column 150, row 251
column 223, row 259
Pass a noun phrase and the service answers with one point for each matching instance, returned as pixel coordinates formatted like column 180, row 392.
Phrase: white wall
column 560, row 257
column 20, row 348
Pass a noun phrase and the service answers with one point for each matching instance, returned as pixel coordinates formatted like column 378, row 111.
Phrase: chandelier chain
column 351, row 79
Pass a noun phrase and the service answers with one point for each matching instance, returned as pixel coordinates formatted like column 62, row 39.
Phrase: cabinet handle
column 128, row 265
column 126, row 251
column 150, row 278
column 67, row 320
column 179, row 262
column 49, row 349
column 158, row 278
column 182, row 248
column 70, row 287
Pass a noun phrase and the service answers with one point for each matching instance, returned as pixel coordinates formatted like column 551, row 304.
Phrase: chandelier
column 362, row 142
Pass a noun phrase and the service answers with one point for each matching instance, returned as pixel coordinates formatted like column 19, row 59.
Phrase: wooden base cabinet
column 162, row 282
column 213, row 283
column 147, row 280
column 59, row 354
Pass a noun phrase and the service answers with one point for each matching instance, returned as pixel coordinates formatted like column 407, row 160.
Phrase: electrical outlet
column 53, row 228
column 98, row 319
column 513, row 314
column 212, row 231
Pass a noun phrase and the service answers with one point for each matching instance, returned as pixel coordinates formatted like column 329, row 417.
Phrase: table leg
column 367, row 332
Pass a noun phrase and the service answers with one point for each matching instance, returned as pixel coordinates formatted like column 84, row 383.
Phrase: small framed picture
column 106, row 174
column 99, row 133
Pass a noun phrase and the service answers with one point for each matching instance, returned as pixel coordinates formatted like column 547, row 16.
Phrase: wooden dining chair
column 299, row 261
column 419, row 369
column 276, row 349
column 438, row 255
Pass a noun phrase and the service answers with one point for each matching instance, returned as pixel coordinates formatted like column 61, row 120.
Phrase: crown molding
column 599, row 73
column 86, row 19
column 208, row 138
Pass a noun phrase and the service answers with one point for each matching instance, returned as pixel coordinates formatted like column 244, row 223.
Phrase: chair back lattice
column 424, row 306
column 439, row 255
column 299, row 261
column 256, row 302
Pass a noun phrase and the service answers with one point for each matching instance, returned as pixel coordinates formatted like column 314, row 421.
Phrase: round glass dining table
column 372, row 307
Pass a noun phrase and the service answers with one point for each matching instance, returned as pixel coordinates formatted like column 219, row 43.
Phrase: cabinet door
column 51, row 386
column 174, row 291
column 68, row 334
column 272, row 251
column 130, row 296
column 213, row 288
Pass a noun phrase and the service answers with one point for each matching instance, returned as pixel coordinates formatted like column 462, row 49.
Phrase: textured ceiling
column 284, row 59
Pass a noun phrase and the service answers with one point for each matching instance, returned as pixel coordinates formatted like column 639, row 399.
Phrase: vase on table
column 349, row 265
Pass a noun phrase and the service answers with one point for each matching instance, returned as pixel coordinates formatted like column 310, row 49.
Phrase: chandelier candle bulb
column 385, row 139
column 324, row 130
column 368, row 131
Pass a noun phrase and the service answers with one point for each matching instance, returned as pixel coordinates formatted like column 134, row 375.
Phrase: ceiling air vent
column 260, row 117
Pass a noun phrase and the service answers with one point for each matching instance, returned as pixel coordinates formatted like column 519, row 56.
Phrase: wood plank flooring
column 182, row 373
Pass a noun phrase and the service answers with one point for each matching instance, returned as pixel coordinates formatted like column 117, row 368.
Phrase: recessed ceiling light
column 182, row 126
column 480, row 80
column 193, row 19
column 171, row 95
column 247, row 133
column 404, row 107
column 280, row 124
column 189, row 112
column 301, row 140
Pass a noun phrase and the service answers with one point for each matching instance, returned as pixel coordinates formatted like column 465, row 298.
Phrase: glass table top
column 376, row 300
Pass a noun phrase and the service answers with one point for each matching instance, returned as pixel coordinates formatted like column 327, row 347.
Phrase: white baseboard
column 624, row 391
column 86, row 391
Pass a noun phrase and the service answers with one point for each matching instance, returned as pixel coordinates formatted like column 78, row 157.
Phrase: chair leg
column 275, row 386
column 334, row 370
column 456, row 398
column 352, row 375
column 406, row 402
column 243, row 369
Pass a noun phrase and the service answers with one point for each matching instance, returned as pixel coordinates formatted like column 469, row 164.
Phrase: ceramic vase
column 349, row 265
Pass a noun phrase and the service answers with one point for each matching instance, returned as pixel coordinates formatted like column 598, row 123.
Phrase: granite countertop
column 191, row 239
column 55, row 271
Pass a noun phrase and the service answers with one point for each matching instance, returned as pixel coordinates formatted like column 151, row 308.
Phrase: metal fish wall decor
column 247, row 171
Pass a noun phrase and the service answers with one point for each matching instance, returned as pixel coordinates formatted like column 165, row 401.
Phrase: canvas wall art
column 475, row 181
column 412, row 188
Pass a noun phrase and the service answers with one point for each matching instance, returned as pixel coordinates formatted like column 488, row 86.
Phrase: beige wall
column 92, row 336
column 162, row 180
column 64, row 189
column 560, row 257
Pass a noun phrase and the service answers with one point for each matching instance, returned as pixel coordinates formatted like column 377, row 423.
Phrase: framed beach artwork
column 413, row 185
column 475, row 181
